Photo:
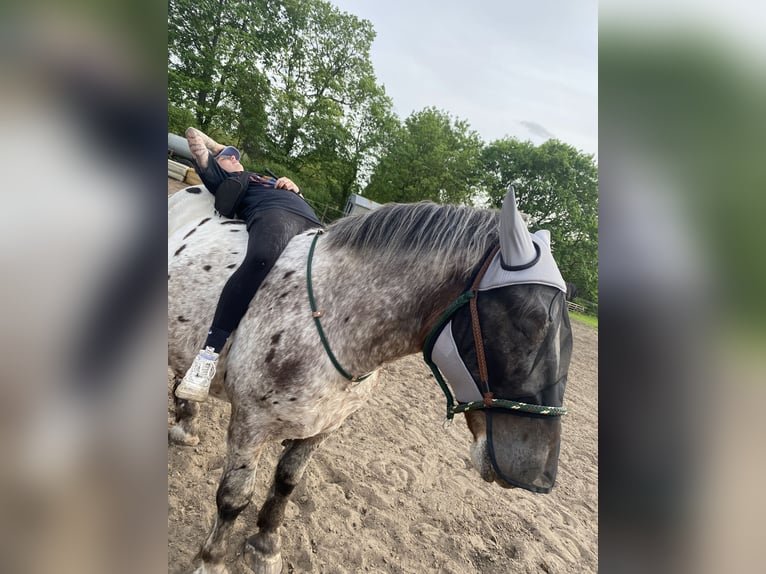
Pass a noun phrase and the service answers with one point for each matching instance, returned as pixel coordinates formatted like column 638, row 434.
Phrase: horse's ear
column 516, row 244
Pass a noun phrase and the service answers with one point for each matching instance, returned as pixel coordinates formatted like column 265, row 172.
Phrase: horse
column 472, row 288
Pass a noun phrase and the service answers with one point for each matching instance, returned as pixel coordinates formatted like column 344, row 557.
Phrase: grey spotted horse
column 472, row 289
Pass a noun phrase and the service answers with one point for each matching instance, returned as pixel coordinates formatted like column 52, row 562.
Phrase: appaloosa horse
column 337, row 306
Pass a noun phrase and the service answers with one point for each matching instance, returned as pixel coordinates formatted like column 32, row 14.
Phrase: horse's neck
column 384, row 310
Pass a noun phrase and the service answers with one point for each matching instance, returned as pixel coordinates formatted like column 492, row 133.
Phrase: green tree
column 371, row 127
column 432, row 156
column 289, row 81
column 210, row 43
column 179, row 119
column 322, row 71
column 557, row 186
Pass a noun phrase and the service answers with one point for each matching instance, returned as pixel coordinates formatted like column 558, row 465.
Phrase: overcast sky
column 521, row 68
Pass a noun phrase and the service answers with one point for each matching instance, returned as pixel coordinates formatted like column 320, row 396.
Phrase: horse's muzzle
column 522, row 450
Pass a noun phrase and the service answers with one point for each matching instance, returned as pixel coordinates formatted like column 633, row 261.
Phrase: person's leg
column 269, row 233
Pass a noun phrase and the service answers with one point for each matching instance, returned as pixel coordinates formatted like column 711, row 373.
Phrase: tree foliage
column 433, row 156
column 210, row 43
column 288, row 81
column 557, row 186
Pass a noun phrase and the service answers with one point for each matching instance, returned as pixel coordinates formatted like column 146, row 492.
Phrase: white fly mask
column 504, row 347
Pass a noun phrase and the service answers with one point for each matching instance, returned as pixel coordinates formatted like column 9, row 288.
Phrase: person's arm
column 214, row 147
column 206, row 167
column 199, row 143
column 199, row 151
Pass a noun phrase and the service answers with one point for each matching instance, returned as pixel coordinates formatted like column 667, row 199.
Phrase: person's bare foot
column 197, row 146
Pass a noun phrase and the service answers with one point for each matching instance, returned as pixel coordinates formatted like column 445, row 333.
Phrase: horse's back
column 188, row 205
column 202, row 254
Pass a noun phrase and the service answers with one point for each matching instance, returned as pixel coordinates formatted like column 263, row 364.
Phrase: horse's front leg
column 184, row 431
column 263, row 550
column 235, row 491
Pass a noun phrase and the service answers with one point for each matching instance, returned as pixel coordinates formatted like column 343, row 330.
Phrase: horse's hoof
column 261, row 563
column 177, row 435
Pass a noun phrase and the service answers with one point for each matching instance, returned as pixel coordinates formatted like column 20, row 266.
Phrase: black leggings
column 269, row 233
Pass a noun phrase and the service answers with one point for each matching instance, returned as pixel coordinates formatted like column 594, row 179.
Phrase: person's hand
column 287, row 183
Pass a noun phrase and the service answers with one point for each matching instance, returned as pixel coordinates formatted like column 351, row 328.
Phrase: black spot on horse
column 286, row 275
column 182, row 319
column 235, row 230
column 193, row 190
column 232, row 222
column 235, row 252
column 286, row 369
column 188, row 234
column 275, row 338
column 293, row 399
column 180, row 249
column 270, row 355
column 203, row 221
column 232, row 266
column 282, row 296
column 207, row 267
column 346, row 318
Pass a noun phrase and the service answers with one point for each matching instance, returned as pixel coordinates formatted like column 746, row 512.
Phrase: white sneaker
column 196, row 382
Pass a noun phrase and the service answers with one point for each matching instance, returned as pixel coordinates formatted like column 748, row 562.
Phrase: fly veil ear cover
column 516, row 244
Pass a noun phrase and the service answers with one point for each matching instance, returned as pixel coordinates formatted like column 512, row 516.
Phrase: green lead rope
column 317, row 314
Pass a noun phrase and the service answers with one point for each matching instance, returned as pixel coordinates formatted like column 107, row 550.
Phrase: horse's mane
column 447, row 232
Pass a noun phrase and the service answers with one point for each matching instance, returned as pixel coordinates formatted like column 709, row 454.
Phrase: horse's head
column 512, row 396
column 527, row 360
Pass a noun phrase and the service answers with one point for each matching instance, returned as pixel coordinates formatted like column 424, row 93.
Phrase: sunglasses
column 228, row 157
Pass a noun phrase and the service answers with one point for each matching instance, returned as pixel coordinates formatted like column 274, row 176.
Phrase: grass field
column 587, row 319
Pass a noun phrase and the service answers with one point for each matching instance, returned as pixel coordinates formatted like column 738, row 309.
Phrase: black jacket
column 261, row 193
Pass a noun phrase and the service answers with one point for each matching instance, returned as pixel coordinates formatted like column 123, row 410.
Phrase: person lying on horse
column 271, row 215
